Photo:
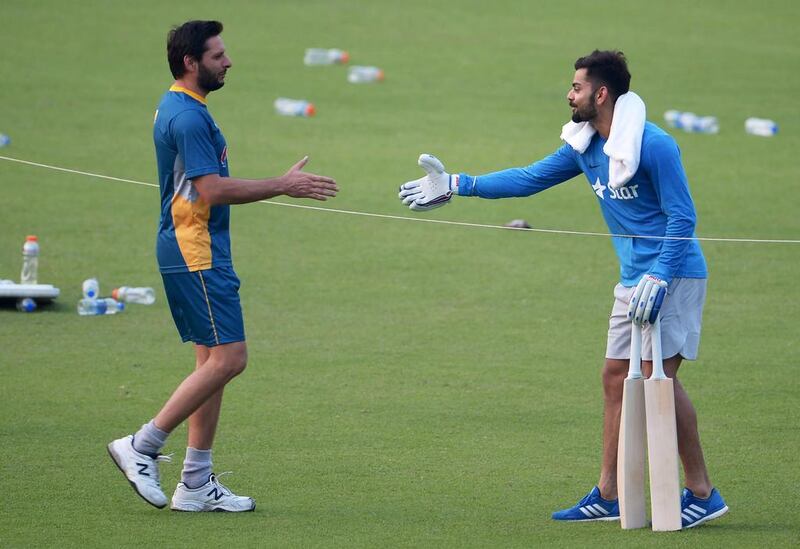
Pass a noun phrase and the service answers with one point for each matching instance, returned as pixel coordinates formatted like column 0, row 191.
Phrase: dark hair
column 607, row 68
column 189, row 39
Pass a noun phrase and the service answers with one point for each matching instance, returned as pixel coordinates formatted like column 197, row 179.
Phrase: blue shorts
column 205, row 305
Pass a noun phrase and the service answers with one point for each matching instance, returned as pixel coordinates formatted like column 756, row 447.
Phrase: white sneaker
column 212, row 496
column 140, row 470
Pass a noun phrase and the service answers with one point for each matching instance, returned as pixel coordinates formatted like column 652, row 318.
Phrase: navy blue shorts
column 205, row 305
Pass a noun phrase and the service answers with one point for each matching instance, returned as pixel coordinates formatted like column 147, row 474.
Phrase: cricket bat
column 662, row 443
column 630, row 452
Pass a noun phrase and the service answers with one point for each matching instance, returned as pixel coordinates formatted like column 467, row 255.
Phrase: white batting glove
column 647, row 299
column 429, row 192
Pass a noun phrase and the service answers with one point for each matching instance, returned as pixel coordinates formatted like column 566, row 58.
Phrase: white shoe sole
column 116, row 459
column 200, row 508
column 596, row 519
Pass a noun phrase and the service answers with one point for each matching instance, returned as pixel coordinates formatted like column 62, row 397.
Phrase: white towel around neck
column 624, row 145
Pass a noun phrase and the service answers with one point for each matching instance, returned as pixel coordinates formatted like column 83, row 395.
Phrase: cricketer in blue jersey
column 194, row 257
column 192, row 234
column 655, row 202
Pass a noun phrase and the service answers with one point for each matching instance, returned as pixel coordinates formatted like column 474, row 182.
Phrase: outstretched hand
column 429, row 192
column 300, row 184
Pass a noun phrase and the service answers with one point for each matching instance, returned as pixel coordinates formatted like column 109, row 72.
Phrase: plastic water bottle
column 4, row 140
column 691, row 123
column 706, row 124
column 324, row 56
column 102, row 306
column 30, row 260
column 761, row 126
column 91, row 288
column 145, row 296
column 26, row 305
column 358, row 74
column 680, row 120
column 671, row 118
column 294, row 107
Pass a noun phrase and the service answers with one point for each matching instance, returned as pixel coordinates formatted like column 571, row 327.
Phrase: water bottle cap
column 345, row 57
column 115, row 293
column 380, row 75
column 31, row 238
column 310, row 109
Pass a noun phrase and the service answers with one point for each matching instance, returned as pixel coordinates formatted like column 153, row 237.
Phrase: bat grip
column 635, row 365
column 658, row 362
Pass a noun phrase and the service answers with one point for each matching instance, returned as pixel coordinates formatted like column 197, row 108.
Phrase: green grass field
column 410, row 384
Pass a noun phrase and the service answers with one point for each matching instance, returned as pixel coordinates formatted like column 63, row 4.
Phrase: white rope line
column 425, row 220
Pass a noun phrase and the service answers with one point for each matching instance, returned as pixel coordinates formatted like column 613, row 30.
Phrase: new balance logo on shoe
column 212, row 496
column 140, row 470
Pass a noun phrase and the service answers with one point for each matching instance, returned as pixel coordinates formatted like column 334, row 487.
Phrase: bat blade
column 662, row 450
column 630, row 456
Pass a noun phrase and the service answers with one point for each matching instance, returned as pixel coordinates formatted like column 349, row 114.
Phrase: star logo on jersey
column 599, row 188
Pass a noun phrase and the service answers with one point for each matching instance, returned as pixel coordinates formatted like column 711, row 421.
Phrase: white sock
column 149, row 439
column 197, row 467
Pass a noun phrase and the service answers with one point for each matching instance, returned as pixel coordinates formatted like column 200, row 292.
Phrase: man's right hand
column 299, row 184
column 429, row 192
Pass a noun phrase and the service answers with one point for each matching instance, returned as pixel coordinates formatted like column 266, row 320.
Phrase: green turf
column 410, row 384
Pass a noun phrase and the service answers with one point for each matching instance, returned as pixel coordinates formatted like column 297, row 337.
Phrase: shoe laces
column 588, row 497
column 156, row 473
column 215, row 481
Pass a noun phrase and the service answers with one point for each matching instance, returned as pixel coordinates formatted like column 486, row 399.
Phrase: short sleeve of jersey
column 192, row 133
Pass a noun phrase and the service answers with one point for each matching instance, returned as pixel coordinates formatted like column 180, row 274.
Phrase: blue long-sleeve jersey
column 655, row 202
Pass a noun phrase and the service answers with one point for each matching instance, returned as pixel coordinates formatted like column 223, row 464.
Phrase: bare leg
column 614, row 374
column 224, row 362
column 203, row 422
column 689, row 448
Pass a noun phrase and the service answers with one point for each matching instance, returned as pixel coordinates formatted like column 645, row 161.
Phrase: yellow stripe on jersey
column 190, row 219
column 208, row 303
column 190, row 93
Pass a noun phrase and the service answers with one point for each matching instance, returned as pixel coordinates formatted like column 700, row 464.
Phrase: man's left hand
column 647, row 299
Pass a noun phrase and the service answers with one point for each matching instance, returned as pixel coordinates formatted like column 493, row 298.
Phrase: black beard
column 586, row 115
column 208, row 81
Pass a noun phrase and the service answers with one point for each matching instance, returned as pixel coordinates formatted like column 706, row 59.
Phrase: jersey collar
column 188, row 92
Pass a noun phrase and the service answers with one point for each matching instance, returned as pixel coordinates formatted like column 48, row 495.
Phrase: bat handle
column 635, row 365
column 658, row 362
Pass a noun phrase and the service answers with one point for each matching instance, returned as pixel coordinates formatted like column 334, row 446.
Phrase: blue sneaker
column 591, row 507
column 696, row 511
